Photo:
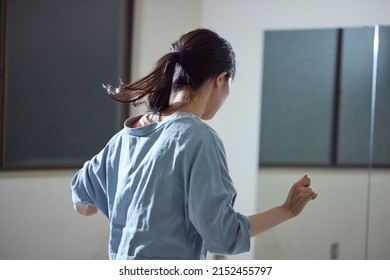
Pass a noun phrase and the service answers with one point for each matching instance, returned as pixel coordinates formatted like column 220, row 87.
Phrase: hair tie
column 176, row 57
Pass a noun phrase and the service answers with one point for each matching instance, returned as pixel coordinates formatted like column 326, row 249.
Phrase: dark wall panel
column 355, row 93
column 317, row 96
column 298, row 91
column 58, row 55
column 381, row 155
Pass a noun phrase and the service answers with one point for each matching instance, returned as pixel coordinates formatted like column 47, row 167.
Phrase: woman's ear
column 219, row 79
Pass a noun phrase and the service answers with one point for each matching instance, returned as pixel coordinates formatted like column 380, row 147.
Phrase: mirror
column 325, row 112
column 378, row 189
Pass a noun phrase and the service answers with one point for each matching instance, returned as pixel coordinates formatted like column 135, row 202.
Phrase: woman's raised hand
column 299, row 195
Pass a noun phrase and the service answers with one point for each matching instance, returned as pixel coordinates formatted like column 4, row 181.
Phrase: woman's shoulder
column 179, row 127
column 191, row 129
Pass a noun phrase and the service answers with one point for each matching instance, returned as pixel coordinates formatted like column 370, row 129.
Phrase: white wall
column 337, row 216
column 37, row 220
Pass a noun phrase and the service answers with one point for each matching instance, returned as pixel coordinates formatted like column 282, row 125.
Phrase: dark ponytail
column 157, row 86
column 196, row 57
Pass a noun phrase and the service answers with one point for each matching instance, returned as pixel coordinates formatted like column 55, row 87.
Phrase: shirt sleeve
column 89, row 183
column 211, row 200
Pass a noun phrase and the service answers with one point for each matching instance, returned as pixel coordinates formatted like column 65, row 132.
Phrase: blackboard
column 57, row 56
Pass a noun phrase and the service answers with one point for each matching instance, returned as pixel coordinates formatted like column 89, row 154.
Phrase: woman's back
column 164, row 184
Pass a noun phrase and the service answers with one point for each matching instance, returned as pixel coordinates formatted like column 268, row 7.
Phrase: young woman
column 163, row 180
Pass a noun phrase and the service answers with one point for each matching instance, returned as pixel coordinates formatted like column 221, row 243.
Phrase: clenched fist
column 299, row 195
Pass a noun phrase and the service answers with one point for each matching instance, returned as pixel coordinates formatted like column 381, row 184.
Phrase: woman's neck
column 179, row 104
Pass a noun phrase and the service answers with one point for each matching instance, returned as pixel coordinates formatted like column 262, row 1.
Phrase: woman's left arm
column 85, row 210
column 300, row 194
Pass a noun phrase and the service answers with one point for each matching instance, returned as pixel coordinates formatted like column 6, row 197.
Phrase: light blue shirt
column 166, row 191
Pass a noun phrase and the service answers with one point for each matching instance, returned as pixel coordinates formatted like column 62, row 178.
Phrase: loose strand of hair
column 157, row 86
